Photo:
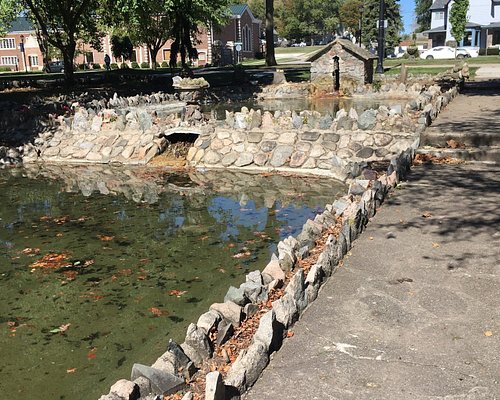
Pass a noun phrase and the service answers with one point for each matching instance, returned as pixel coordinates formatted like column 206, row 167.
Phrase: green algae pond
column 101, row 266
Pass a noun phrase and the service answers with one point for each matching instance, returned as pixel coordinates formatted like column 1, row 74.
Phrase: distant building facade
column 482, row 28
column 242, row 32
column 19, row 50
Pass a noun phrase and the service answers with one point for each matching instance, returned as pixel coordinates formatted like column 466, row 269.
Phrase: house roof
column 492, row 25
column 346, row 44
column 472, row 25
column 21, row 24
column 439, row 5
column 435, row 30
column 237, row 10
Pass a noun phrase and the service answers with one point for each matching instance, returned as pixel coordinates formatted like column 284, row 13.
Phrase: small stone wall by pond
column 256, row 303
column 313, row 143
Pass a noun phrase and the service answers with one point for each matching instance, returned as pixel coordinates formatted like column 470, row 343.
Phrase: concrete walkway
column 414, row 313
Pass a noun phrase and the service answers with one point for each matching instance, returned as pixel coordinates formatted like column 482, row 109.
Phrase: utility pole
column 381, row 23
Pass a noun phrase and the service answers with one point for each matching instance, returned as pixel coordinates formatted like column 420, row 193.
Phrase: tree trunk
column 44, row 49
column 68, row 53
column 270, row 57
column 154, row 53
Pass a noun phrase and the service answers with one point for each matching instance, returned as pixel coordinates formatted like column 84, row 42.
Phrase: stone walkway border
column 346, row 217
column 353, row 211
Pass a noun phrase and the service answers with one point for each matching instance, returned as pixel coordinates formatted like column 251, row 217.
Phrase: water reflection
column 324, row 106
column 92, row 260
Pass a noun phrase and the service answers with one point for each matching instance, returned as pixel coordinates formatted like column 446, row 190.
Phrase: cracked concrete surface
column 415, row 311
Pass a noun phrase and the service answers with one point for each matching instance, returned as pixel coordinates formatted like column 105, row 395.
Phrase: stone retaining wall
column 347, row 217
column 313, row 143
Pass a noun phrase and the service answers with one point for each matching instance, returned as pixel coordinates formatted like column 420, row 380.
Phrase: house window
column 247, row 38
column 8, row 60
column 33, row 60
column 439, row 15
column 7, row 43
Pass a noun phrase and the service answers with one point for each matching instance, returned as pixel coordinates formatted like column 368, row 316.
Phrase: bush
column 81, row 67
column 134, row 65
column 164, row 64
column 114, row 66
column 124, row 66
column 493, row 51
column 5, row 69
column 144, row 65
column 96, row 66
column 490, row 51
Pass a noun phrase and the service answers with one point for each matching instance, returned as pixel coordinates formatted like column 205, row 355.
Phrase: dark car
column 55, row 66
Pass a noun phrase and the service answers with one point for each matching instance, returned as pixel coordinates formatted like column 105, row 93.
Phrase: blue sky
column 407, row 7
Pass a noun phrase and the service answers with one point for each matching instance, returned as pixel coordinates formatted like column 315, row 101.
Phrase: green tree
column 147, row 22
column 187, row 17
column 258, row 8
column 9, row 9
column 350, row 15
column 458, row 19
column 62, row 23
column 270, row 56
column 370, row 18
column 122, row 47
column 304, row 19
column 423, row 13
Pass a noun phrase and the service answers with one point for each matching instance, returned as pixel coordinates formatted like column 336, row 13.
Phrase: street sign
column 385, row 24
column 238, row 47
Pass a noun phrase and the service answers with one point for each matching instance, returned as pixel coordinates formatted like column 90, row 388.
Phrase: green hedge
column 96, row 66
column 490, row 51
column 134, row 65
column 144, row 65
column 114, row 66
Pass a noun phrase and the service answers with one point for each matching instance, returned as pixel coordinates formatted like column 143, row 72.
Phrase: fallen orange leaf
column 177, row 293
column 71, row 370
column 105, row 238
column 156, row 311
column 92, row 353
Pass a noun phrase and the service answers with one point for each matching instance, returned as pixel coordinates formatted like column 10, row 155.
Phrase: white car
column 469, row 51
column 443, row 53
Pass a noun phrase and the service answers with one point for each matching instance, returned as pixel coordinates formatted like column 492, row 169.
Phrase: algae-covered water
column 99, row 267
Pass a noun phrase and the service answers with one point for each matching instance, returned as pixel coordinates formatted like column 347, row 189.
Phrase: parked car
column 469, row 51
column 55, row 66
column 443, row 53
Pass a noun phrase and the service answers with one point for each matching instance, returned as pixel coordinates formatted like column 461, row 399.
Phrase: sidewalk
column 414, row 313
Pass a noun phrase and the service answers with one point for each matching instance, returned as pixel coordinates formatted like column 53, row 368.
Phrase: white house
column 482, row 28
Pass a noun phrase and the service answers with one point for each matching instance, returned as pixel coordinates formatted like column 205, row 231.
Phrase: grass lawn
column 420, row 62
column 426, row 70
column 303, row 50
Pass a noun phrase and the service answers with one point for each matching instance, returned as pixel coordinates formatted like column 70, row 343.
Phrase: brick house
column 20, row 37
column 242, row 28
